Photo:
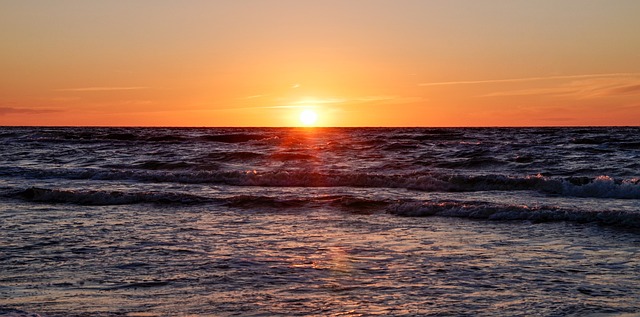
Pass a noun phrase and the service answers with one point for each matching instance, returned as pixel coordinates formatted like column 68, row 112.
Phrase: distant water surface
column 326, row 222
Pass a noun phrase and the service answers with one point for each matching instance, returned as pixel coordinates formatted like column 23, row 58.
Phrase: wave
column 609, row 142
column 292, row 157
column 166, row 138
column 595, row 140
column 88, row 135
column 234, row 138
column 409, row 208
column 10, row 312
column 593, row 187
column 598, row 187
column 630, row 145
column 436, row 134
column 469, row 163
column 400, row 146
column 154, row 165
column 8, row 135
column 104, row 198
column 490, row 211
column 235, row 156
column 602, row 187
column 249, row 201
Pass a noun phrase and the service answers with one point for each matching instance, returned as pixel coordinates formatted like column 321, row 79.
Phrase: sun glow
column 308, row 117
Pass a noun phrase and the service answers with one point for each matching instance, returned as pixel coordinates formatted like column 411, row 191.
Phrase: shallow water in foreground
column 206, row 261
column 319, row 222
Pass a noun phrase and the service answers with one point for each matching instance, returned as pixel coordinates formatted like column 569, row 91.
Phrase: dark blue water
column 335, row 221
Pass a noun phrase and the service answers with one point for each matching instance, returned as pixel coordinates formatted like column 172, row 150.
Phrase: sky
column 376, row 63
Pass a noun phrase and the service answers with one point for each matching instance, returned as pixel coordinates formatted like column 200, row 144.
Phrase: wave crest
column 490, row 211
column 100, row 198
column 594, row 187
column 234, row 138
column 348, row 203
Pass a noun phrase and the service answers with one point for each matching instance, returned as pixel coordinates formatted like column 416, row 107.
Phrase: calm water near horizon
column 320, row 222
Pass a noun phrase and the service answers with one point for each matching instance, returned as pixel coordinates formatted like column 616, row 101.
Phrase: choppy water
column 261, row 222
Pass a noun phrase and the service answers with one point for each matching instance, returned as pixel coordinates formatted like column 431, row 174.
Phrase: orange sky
column 356, row 63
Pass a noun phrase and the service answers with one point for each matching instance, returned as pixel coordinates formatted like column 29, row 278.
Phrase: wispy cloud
column 374, row 99
column 274, row 107
column 388, row 100
column 624, row 90
column 377, row 98
column 311, row 102
column 318, row 101
column 533, row 91
column 582, row 88
column 525, row 79
column 282, row 103
column 90, row 89
column 11, row 110
column 253, row 96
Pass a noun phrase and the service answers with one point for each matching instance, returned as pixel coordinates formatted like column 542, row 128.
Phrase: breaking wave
column 490, row 211
column 348, row 203
column 593, row 187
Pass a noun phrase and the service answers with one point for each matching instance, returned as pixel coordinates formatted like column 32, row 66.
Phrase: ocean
column 319, row 221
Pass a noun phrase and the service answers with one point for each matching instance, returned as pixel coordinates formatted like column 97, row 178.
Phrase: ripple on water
column 321, row 262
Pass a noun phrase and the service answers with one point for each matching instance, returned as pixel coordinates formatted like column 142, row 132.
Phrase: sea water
column 319, row 222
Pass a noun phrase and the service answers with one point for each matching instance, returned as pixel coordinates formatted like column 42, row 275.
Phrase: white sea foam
column 604, row 187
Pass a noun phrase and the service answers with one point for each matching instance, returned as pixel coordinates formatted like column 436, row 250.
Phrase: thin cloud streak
column 514, row 80
column 10, row 110
column 253, row 96
column 89, row 89
column 313, row 103
column 257, row 107
column 625, row 90
column 582, row 89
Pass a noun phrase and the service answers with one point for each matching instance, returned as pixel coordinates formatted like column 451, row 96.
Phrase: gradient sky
column 356, row 62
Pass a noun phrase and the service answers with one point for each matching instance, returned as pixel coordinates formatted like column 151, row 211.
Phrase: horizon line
column 318, row 127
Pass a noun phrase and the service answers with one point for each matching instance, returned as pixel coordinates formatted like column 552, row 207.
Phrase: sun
column 308, row 117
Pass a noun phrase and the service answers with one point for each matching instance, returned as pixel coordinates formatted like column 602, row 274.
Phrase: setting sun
column 308, row 117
